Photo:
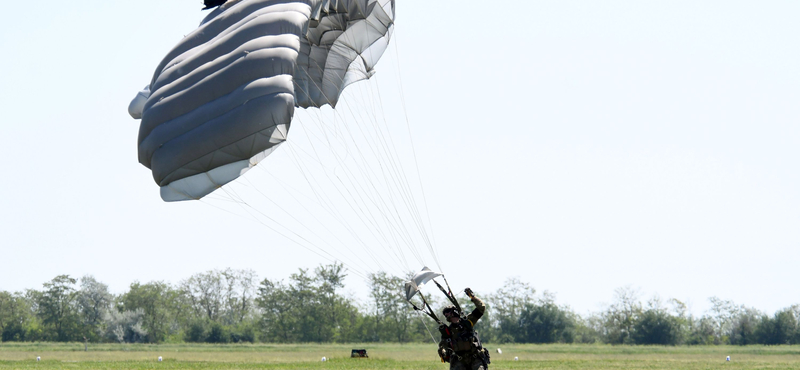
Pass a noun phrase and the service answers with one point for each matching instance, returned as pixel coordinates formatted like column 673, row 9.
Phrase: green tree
column 205, row 294
column 281, row 312
column 504, row 309
column 239, row 294
column 159, row 303
column 15, row 316
column 393, row 317
column 308, row 308
column 57, row 307
column 224, row 297
column 338, row 313
column 619, row 318
column 723, row 312
column 743, row 330
column 93, row 301
column 306, row 304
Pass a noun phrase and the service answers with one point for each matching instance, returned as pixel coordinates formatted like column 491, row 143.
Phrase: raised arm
column 479, row 310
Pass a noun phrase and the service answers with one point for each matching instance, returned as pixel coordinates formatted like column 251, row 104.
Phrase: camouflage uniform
column 460, row 340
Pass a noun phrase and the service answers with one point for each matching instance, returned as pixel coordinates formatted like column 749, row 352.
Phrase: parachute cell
column 224, row 97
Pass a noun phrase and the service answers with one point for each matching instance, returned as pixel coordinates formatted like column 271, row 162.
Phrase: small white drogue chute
column 415, row 284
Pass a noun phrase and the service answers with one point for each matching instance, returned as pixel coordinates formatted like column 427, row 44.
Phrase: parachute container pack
column 223, row 98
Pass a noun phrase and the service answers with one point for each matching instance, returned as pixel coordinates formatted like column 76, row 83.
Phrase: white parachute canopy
column 413, row 286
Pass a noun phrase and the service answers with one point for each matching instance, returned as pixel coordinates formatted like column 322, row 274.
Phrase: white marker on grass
column 159, row 358
column 324, row 359
column 38, row 359
column 516, row 358
column 499, row 351
column 728, row 359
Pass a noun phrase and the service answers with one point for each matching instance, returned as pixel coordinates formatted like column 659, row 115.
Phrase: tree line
column 233, row 306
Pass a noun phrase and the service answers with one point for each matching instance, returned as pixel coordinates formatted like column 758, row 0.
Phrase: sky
column 580, row 146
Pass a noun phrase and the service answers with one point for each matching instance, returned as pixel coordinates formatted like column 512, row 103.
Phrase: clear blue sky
column 579, row 145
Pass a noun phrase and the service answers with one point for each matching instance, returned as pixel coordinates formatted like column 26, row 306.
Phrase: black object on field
column 359, row 353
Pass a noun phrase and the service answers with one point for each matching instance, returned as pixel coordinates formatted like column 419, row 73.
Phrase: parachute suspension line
column 242, row 203
column 329, row 257
column 365, row 173
column 328, row 206
column 399, row 173
column 404, row 191
column 402, row 182
column 414, row 151
column 301, row 223
column 398, row 218
column 408, row 238
column 377, row 154
column 331, row 208
column 356, row 208
column 259, row 221
column 391, row 155
column 426, row 327
column 367, row 250
column 432, row 239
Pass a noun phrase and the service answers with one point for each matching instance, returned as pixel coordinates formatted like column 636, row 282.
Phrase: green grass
column 387, row 356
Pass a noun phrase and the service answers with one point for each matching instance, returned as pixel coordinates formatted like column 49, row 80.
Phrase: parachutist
column 460, row 344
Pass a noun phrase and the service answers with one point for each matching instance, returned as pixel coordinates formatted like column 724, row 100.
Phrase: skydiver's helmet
column 451, row 311
column 212, row 3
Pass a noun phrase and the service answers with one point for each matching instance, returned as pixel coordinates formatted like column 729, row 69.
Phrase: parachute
column 413, row 286
column 224, row 97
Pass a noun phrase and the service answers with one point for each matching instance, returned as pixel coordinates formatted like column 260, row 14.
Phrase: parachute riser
column 448, row 293
column 429, row 312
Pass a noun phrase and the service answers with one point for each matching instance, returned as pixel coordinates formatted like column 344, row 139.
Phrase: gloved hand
column 444, row 355
column 469, row 293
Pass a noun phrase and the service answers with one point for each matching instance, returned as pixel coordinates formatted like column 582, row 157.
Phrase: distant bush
column 779, row 329
column 245, row 332
column 196, row 332
column 218, row 334
column 545, row 323
column 701, row 332
column 655, row 326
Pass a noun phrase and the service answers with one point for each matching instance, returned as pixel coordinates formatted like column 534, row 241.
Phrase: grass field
column 387, row 356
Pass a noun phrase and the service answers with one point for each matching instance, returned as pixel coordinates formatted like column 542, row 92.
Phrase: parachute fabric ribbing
column 341, row 48
column 224, row 97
